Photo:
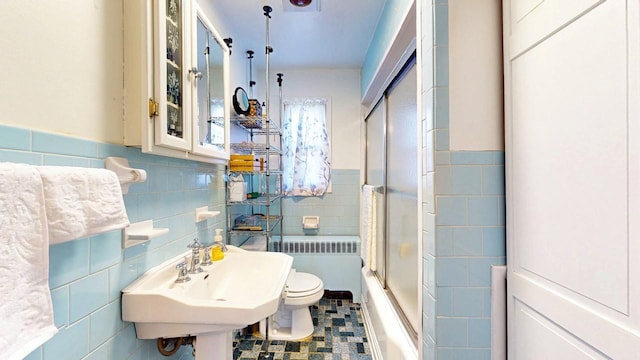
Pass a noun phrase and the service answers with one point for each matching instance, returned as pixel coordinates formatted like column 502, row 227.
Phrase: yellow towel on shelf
column 25, row 299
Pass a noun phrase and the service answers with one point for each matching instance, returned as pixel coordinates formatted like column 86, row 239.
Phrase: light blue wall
column 464, row 215
column 86, row 275
column 469, row 239
column 339, row 210
column 388, row 25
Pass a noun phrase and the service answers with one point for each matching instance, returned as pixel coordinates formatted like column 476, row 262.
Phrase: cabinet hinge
column 153, row 108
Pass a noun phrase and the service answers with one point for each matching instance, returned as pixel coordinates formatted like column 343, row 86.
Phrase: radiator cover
column 334, row 259
column 327, row 245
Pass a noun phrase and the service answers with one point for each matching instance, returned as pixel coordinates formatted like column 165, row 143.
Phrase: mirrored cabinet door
column 173, row 128
column 210, row 58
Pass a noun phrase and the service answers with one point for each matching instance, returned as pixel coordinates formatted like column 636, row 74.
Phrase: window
column 306, row 149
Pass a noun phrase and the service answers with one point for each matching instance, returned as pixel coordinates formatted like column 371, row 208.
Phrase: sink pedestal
column 214, row 346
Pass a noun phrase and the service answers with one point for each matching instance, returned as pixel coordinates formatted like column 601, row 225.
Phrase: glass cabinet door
column 172, row 126
column 210, row 57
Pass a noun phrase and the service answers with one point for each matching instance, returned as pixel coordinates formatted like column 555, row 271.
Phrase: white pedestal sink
column 241, row 289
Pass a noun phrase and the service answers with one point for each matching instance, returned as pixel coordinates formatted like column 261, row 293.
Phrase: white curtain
column 306, row 151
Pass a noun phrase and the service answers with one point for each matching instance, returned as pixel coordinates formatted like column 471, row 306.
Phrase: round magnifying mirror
column 240, row 101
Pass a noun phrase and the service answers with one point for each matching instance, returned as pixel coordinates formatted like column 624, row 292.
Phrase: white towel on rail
column 25, row 299
column 368, row 230
column 81, row 202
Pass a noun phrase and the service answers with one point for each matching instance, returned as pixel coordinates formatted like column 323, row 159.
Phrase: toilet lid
column 302, row 283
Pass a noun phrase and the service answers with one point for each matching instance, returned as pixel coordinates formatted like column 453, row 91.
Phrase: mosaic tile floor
column 338, row 335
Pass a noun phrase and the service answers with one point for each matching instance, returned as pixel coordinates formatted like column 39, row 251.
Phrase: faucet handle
column 223, row 246
column 206, row 259
column 195, row 245
column 182, row 273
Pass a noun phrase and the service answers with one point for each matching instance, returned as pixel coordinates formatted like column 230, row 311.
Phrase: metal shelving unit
column 260, row 132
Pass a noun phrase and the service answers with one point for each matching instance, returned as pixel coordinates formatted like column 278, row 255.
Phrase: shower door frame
column 381, row 269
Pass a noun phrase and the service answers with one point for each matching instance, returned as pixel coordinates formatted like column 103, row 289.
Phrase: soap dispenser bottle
column 218, row 245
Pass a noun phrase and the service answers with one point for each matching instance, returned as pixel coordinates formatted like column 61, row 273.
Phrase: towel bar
column 126, row 174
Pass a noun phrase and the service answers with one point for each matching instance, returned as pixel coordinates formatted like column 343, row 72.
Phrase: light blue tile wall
column 467, row 192
column 339, row 210
column 470, row 238
column 86, row 275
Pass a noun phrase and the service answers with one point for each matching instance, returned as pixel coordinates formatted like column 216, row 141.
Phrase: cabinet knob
column 197, row 74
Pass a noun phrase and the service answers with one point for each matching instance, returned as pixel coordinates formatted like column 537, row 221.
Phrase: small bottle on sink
column 216, row 249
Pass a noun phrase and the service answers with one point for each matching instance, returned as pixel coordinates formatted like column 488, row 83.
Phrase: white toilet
column 293, row 320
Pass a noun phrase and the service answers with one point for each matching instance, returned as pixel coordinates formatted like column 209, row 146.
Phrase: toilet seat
column 302, row 285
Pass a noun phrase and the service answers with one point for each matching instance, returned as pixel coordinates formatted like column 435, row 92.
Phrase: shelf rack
column 269, row 203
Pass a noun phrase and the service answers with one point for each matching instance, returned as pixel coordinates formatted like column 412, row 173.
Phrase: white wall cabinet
column 176, row 81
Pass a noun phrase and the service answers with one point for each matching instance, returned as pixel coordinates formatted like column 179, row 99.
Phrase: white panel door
column 573, row 182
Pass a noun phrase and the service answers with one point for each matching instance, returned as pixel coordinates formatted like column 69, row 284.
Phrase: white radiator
column 334, row 259
column 326, row 245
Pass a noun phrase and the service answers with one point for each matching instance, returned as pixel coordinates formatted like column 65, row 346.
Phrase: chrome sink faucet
column 182, row 272
column 195, row 257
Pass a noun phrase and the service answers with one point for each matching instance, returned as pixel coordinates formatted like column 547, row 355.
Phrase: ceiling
column 336, row 36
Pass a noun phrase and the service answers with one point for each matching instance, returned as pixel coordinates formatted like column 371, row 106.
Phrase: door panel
column 534, row 20
column 617, row 338
column 574, row 179
column 571, row 87
column 534, row 325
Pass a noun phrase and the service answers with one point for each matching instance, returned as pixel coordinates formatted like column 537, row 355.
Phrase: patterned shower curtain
column 306, row 154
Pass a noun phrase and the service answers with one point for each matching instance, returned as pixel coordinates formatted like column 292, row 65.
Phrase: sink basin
column 241, row 289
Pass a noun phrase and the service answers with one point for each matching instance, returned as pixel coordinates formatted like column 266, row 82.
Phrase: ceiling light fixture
column 300, row 3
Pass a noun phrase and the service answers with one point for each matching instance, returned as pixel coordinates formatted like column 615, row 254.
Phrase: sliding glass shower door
column 375, row 175
column 392, row 164
column 402, row 196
